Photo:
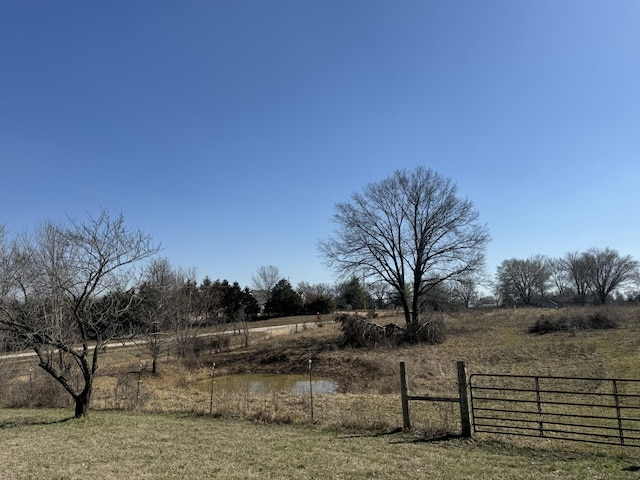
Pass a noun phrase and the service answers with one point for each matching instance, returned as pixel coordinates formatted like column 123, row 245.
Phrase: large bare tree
column 559, row 276
column 609, row 271
column 578, row 268
column 68, row 290
column 523, row 280
column 409, row 230
column 599, row 272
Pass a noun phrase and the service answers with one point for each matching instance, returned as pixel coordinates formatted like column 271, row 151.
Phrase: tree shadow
column 31, row 422
column 402, row 436
column 433, row 439
column 373, row 434
column 632, row 468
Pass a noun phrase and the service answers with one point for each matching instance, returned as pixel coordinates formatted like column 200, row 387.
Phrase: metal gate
column 596, row 410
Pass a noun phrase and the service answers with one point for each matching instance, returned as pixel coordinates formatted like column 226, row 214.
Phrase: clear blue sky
column 228, row 130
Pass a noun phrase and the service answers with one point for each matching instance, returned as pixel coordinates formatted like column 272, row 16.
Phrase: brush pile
column 359, row 332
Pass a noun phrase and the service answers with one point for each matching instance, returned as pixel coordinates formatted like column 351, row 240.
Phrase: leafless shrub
column 39, row 390
column 199, row 349
column 8, row 373
column 210, row 345
column 127, row 391
column 572, row 322
column 429, row 331
column 124, row 392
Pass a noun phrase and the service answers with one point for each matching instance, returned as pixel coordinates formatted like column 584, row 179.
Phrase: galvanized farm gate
column 595, row 410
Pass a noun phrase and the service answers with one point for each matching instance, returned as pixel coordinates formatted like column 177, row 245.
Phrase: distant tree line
column 595, row 276
column 278, row 298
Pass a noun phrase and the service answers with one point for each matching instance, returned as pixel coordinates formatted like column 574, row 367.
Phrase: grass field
column 43, row 444
column 145, row 426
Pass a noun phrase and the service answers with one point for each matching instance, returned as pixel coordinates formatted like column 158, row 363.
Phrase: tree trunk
column 414, row 309
column 82, row 400
column 405, row 308
column 82, row 406
column 415, row 297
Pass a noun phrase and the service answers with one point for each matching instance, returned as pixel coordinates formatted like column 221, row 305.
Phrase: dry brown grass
column 171, row 435
column 489, row 341
column 44, row 444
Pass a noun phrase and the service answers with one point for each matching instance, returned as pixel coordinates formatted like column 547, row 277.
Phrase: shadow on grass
column 431, row 439
column 372, row 434
column 632, row 468
column 407, row 437
column 439, row 438
column 30, row 422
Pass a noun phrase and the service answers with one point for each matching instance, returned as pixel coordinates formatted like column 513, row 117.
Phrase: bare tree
column 183, row 307
column 578, row 268
column 263, row 281
column 609, row 271
column 68, row 291
column 559, row 276
column 634, row 294
column 315, row 290
column 158, row 294
column 409, row 230
column 465, row 288
column 380, row 293
column 522, row 280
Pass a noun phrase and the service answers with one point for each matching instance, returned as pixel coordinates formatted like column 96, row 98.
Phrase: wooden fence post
column 404, row 397
column 465, row 420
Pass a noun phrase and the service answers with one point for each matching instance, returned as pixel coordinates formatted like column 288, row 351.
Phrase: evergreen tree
column 284, row 300
column 351, row 294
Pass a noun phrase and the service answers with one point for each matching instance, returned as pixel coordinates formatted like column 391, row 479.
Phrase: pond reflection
column 267, row 383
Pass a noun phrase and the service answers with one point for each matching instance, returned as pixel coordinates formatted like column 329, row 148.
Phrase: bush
column 39, row 391
column 210, row 345
column 568, row 323
column 601, row 321
column 430, row 331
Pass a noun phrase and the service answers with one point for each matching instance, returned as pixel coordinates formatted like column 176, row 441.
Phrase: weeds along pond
column 266, row 383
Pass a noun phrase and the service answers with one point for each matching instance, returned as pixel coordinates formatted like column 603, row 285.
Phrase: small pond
column 267, row 383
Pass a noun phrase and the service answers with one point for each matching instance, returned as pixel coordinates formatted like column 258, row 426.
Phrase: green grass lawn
column 45, row 444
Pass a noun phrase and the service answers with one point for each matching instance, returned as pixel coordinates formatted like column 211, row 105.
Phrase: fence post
column 617, row 401
column 311, row 390
column 138, row 386
column 464, row 399
column 404, row 397
column 213, row 374
column 536, row 384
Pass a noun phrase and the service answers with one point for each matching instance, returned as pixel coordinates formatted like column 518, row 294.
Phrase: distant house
column 486, row 302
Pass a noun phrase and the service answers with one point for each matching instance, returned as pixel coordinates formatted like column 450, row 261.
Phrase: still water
column 267, row 383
